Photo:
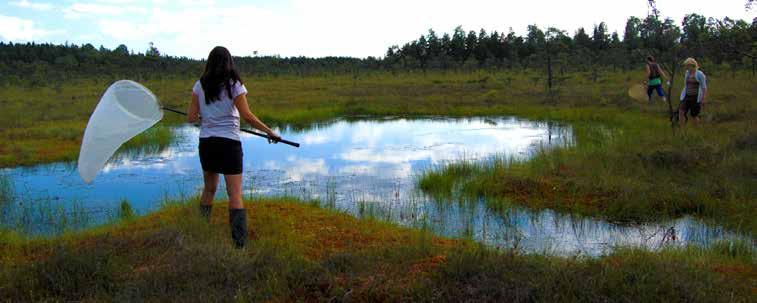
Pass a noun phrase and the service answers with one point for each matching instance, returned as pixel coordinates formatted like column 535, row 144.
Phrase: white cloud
column 86, row 37
column 343, row 27
column 385, row 155
column 102, row 9
column 121, row 30
column 320, row 136
column 193, row 30
column 373, row 26
column 32, row 5
column 298, row 169
column 17, row 29
column 116, row 1
column 315, row 138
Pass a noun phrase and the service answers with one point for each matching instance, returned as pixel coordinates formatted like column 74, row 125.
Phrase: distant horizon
column 300, row 28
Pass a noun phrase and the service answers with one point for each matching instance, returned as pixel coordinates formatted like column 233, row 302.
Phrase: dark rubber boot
column 205, row 211
column 238, row 222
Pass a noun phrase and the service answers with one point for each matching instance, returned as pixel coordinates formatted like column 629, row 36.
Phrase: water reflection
column 564, row 234
column 367, row 168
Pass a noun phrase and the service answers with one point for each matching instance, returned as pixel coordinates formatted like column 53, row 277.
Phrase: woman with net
column 219, row 99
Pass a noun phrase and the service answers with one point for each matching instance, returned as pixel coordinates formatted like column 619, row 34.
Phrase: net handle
column 295, row 144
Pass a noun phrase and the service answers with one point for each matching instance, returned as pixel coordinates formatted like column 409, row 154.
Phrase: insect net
column 125, row 110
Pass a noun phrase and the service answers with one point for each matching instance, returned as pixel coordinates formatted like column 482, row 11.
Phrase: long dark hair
column 654, row 68
column 219, row 72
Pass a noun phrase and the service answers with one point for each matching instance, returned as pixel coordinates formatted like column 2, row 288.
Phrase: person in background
column 220, row 98
column 654, row 78
column 694, row 92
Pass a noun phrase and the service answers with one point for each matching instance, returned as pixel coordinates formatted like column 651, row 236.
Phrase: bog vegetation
column 626, row 164
column 49, row 90
column 302, row 253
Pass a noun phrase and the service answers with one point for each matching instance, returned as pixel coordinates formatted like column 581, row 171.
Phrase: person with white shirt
column 219, row 99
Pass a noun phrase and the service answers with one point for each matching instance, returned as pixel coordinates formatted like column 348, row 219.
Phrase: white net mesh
column 638, row 92
column 125, row 110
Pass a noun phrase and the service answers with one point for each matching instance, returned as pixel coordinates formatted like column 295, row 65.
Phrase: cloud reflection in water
column 368, row 163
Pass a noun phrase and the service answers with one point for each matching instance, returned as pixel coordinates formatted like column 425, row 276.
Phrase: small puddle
column 367, row 168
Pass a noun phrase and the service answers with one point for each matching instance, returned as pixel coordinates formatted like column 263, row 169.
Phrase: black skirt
column 221, row 155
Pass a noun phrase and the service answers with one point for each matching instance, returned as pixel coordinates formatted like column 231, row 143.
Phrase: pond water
column 367, row 168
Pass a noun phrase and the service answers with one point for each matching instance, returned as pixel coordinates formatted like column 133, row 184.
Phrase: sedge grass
column 626, row 162
column 631, row 172
column 299, row 252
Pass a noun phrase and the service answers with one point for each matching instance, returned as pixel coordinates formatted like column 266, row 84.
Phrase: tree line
column 714, row 41
column 38, row 63
column 726, row 41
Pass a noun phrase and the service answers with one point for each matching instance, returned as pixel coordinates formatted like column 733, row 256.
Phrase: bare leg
column 234, row 190
column 211, row 184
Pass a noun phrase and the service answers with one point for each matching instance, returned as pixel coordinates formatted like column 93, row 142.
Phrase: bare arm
column 193, row 111
column 244, row 112
column 703, row 84
column 649, row 72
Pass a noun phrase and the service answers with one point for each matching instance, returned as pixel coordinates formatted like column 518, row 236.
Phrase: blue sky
column 310, row 27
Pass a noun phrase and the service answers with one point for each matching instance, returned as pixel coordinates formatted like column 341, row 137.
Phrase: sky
column 313, row 28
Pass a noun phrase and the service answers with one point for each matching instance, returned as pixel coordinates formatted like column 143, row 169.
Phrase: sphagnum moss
column 303, row 253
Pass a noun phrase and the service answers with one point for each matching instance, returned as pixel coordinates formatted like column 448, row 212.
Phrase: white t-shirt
column 219, row 118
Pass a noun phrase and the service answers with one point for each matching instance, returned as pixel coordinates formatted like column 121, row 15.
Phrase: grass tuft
column 299, row 252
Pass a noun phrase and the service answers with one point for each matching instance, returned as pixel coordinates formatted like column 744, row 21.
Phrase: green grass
column 6, row 197
column 623, row 167
column 299, row 252
column 671, row 275
column 60, row 141
column 45, row 123
column 627, row 163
